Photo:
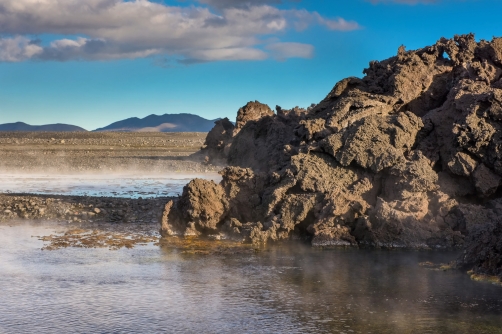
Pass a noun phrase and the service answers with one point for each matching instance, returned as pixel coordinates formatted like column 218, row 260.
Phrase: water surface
column 288, row 289
column 106, row 185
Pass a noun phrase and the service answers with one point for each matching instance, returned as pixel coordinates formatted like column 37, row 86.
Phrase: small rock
column 216, row 236
column 485, row 181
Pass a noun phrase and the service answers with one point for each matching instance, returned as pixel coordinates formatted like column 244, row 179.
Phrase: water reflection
column 282, row 289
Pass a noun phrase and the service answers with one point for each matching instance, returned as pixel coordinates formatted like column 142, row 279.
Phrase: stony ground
column 71, row 152
column 80, row 209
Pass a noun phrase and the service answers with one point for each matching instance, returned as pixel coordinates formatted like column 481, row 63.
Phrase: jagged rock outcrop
column 257, row 140
column 252, row 111
column 200, row 209
column 217, row 144
column 397, row 158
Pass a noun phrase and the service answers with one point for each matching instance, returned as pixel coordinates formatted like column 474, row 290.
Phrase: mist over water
column 283, row 289
column 127, row 185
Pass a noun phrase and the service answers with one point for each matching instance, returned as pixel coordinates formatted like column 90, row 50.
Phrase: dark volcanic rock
column 217, row 144
column 252, row 111
column 252, row 144
column 407, row 156
column 484, row 249
column 483, row 246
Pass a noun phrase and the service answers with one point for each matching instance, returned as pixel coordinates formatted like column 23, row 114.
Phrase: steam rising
column 283, row 290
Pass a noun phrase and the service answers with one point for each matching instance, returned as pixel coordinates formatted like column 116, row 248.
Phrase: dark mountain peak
column 183, row 122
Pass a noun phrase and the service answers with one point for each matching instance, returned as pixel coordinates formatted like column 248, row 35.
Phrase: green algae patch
column 438, row 266
column 193, row 245
column 83, row 238
column 485, row 278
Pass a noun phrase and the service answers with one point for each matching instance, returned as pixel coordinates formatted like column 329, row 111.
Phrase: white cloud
column 18, row 49
column 303, row 19
column 282, row 51
column 339, row 24
column 228, row 54
column 91, row 49
column 112, row 29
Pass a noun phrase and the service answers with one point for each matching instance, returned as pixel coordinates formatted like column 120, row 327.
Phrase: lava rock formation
column 408, row 156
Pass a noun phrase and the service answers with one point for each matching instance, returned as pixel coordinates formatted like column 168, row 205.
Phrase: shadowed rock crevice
column 410, row 155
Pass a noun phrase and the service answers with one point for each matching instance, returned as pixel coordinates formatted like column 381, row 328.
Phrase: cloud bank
column 119, row 29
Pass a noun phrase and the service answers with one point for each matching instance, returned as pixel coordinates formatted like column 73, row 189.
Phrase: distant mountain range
column 152, row 123
column 20, row 126
column 162, row 123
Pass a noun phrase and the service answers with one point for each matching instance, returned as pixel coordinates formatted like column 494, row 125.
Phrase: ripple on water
column 286, row 289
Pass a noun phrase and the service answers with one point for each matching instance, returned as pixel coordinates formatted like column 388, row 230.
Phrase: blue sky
column 93, row 62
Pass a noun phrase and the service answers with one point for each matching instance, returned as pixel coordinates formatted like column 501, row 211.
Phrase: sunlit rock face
column 394, row 159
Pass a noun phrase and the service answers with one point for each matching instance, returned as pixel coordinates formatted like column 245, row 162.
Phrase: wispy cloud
column 282, row 51
column 18, row 49
column 114, row 29
column 302, row 19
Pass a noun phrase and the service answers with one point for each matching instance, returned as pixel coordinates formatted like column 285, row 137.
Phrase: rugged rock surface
column 217, row 144
column 483, row 244
column 484, row 250
column 408, row 156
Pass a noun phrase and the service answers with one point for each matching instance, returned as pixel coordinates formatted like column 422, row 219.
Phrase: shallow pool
column 287, row 289
column 111, row 185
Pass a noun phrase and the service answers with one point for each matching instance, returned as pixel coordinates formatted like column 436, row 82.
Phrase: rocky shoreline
column 408, row 156
column 80, row 209
column 27, row 155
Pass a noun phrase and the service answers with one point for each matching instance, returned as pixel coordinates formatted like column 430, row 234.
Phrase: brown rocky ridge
column 408, row 156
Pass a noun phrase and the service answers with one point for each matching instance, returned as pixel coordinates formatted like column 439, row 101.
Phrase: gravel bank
column 79, row 209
